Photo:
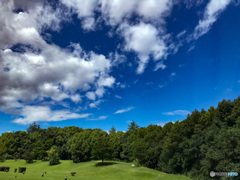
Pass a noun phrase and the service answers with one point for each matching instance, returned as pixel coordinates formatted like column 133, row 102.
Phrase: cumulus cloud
column 177, row 112
column 106, row 81
column 32, row 70
column 91, row 95
column 81, row 7
column 114, row 11
column 145, row 40
column 212, row 11
column 45, row 114
column 124, row 110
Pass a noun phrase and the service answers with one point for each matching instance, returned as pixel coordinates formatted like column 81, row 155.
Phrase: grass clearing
column 86, row 170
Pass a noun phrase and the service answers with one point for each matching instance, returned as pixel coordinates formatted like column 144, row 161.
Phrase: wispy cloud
column 177, row 112
column 99, row 118
column 191, row 48
column 117, row 96
column 95, row 104
column 45, row 114
column 124, row 110
column 212, row 11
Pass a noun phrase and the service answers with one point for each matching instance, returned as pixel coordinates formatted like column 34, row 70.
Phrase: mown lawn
column 86, row 170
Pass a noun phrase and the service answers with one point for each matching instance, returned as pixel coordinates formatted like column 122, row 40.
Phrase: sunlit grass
column 87, row 170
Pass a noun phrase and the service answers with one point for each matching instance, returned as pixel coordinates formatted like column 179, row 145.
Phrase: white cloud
column 117, row 58
column 191, row 48
column 99, row 118
column 114, row 11
column 45, row 114
column 43, row 70
column 100, row 92
column 124, row 110
column 82, row 7
column 95, row 104
column 153, row 8
column 161, row 124
column 106, row 81
column 212, row 11
column 160, row 65
column 177, row 112
column 121, row 85
column 76, row 98
column 88, row 24
column 91, row 95
column 118, row 97
column 154, row 44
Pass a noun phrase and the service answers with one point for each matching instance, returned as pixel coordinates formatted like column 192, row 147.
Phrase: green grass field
column 86, row 170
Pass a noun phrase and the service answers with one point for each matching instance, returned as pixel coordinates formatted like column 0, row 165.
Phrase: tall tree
column 101, row 148
column 112, row 130
column 32, row 128
column 133, row 126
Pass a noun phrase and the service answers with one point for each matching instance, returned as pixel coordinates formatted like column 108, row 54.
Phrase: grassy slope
column 86, row 170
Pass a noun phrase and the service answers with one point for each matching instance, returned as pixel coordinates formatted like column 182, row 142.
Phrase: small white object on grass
column 133, row 165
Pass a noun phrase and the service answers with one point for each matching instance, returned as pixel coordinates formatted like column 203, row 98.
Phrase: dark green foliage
column 73, row 173
column 29, row 157
column 205, row 141
column 133, row 126
column 22, row 169
column 101, row 147
column 33, row 127
column 53, row 155
column 79, row 146
column 112, row 130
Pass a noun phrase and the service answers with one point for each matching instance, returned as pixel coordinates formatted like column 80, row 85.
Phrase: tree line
column 205, row 141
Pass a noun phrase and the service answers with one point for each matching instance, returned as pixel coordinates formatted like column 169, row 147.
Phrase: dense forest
column 205, row 141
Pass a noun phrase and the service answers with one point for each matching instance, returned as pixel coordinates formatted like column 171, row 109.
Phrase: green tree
column 133, row 126
column 79, row 146
column 33, row 127
column 53, row 155
column 112, row 130
column 29, row 156
column 101, row 148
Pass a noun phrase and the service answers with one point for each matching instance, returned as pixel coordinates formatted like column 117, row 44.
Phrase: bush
column 53, row 155
column 73, row 173
column 8, row 156
column 28, row 156
column 54, row 159
column 136, row 163
column 22, row 169
column 45, row 159
column 2, row 158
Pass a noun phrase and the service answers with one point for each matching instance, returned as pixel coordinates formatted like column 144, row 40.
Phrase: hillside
column 86, row 170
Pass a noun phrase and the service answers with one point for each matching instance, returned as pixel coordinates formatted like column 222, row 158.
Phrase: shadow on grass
column 55, row 164
column 104, row 164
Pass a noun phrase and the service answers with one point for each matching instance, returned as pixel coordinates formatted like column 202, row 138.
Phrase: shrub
column 136, row 163
column 28, row 156
column 73, row 173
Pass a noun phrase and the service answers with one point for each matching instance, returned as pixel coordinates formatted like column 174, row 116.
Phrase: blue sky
column 104, row 63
